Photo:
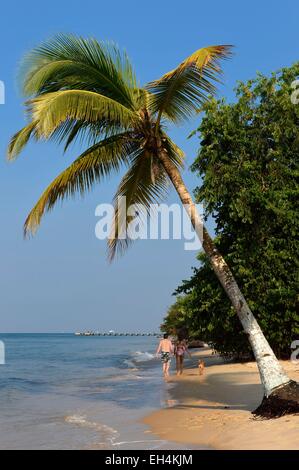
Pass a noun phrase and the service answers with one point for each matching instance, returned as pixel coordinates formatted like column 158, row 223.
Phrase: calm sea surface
column 59, row 391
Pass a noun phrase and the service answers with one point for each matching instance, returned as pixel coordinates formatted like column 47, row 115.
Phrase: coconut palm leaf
column 90, row 167
column 20, row 139
column 145, row 183
column 178, row 93
column 85, row 132
column 52, row 109
column 175, row 154
column 68, row 62
column 67, row 132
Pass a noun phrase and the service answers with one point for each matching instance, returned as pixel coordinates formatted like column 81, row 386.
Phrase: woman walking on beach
column 181, row 348
column 166, row 349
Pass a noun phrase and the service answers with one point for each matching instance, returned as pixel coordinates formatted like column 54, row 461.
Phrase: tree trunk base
column 282, row 401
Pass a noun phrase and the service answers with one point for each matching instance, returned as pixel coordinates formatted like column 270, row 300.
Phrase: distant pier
column 113, row 333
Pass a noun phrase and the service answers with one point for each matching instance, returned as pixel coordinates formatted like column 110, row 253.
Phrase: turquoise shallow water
column 59, row 391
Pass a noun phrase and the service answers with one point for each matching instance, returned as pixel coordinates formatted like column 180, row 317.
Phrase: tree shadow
column 225, row 389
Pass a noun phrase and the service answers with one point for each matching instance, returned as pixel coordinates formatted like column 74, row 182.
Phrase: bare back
column 165, row 345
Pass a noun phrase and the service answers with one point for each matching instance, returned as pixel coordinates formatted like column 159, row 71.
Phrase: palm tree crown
column 83, row 89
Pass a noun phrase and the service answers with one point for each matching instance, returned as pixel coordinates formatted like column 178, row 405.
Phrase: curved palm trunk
column 271, row 372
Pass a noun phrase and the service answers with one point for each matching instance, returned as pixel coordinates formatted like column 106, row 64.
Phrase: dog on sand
column 201, row 367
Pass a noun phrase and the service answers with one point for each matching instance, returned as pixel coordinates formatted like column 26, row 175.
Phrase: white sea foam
column 140, row 356
column 130, row 364
column 157, row 445
column 81, row 420
column 76, row 419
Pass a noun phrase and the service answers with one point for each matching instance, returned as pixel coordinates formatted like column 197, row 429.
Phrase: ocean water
column 59, row 391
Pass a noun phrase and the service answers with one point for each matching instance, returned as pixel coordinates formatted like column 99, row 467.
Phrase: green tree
column 252, row 190
column 179, row 317
column 83, row 88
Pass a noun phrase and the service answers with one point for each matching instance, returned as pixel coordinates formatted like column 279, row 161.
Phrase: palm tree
column 84, row 89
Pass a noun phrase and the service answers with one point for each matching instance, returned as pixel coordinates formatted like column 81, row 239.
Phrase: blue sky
column 60, row 280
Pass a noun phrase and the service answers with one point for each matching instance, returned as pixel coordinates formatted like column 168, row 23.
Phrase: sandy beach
column 214, row 410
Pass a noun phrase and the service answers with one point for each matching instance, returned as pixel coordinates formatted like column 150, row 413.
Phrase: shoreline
column 214, row 410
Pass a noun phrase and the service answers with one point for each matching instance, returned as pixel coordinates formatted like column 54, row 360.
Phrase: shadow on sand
column 227, row 389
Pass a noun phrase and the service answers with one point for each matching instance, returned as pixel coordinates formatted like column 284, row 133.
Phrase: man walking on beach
column 166, row 349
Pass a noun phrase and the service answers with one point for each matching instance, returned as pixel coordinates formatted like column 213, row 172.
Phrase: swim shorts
column 165, row 357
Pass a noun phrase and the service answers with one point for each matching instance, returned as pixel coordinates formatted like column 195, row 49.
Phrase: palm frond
column 68, row 131
column 175, row 154
column 82, row 131
column 68, row 62
column 90, row 167
column 20, row 139
column 145, row 183
column 87, row 133
column 178, row 93
column 52, row 109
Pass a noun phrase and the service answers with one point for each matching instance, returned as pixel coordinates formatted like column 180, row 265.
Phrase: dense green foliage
column 248, row 163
